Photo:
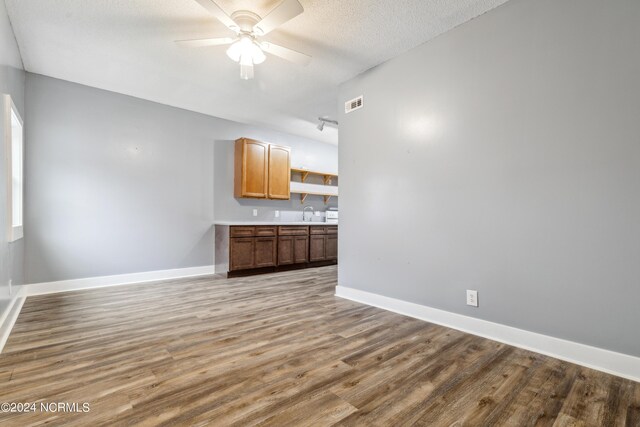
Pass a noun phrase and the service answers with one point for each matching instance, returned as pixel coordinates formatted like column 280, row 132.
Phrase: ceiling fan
column 246, row 47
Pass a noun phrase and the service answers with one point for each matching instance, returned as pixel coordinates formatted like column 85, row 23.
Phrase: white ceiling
column 126, row 46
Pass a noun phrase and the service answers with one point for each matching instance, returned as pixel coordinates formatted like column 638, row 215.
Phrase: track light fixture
column 323, row 121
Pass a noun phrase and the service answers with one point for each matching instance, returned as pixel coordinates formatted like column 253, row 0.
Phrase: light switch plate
column 255, row 212
column 472, row 298
column 277, row 214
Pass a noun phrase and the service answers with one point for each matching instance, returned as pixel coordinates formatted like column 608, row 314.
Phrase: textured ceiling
column 126, row 46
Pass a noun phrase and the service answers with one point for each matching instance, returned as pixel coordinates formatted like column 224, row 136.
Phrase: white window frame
column 14, row 232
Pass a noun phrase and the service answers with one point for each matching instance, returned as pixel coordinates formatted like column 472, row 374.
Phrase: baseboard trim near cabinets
column 9, row 316
column 120, row 279
column 618, row 364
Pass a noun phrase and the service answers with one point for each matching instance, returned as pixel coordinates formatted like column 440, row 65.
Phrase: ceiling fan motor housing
column 246, row 20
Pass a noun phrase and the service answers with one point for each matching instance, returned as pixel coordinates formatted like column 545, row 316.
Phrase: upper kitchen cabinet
column 262, row 170
column 251, row 168
column 279, row 172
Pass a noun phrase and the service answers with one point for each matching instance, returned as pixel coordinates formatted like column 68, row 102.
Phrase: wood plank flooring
column 281, row 350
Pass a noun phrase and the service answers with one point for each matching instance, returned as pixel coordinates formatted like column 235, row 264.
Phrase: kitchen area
column 293, row 207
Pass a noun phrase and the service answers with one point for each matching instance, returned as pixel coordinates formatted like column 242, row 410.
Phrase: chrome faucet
column 304, row 211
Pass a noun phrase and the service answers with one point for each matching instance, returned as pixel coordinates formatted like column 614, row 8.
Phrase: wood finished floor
column 281, row 350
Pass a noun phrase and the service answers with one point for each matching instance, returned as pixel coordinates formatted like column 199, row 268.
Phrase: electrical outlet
column 10, row 283
column 472, row 298
column 277, row 214
column 255, row 212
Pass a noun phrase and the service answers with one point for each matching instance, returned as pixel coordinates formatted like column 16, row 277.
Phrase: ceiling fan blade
column 286, row 53
column 205, row 42
column 220, row 14
column 285, row 11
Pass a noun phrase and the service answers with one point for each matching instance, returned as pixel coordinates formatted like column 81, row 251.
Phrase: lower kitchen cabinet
column 252, row 247
column 317, row 246
column 293, row 250
column 252, row 252
column 323, row 247
column 242, row 253
column 266, row 252
column 255, row 247
column 300, row 249
column 331, row 247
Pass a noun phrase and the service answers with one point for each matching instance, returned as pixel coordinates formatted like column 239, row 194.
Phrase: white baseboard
column 10, row 315
column 619, row 364
column 120, row 279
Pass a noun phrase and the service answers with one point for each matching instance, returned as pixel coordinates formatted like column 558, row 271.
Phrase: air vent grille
column 354, row 104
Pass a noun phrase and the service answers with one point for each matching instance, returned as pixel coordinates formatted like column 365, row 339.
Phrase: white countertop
column 273, row 223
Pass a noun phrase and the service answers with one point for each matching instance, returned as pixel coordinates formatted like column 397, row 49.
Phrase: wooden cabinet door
column 241, row 253
column 331, row 247
column 279, row 172
column 285, row 250
column 251, row 168
column 266, row 251
column 300, row 249
column 317, row 248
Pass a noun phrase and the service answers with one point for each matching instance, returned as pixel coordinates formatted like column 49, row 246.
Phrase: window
column 13, row 131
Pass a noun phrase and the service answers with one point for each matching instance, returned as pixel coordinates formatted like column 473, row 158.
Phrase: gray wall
column 12, row 82
column 117, row 184
column 504, row 156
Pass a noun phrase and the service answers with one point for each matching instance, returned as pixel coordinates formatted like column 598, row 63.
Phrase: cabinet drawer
column 293, row 230
column 265, row 231
column 242, row 231
column 317, row 229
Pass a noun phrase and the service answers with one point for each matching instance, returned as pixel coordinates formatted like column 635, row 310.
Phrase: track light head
column 324, row 121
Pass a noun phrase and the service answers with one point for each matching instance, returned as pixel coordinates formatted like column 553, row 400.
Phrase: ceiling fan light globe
column 246, row 48
column 257, row 54
column 239, row 48
column 234, row 52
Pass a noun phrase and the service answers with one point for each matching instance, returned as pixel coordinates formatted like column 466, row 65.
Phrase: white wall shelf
column 305, row 189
